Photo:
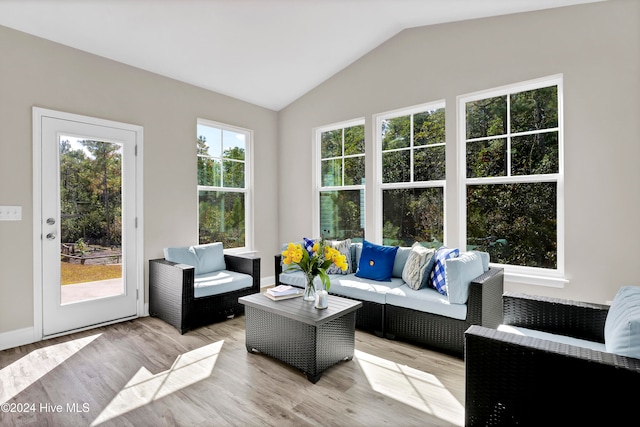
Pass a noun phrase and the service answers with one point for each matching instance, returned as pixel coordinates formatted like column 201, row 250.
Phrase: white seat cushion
column 426, row 299
column 348, row 285
column 220, row 282
column 553, row 337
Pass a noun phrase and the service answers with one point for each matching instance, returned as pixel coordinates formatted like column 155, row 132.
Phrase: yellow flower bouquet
column 314, row 262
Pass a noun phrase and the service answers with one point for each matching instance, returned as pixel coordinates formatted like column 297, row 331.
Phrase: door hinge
column 136, row 222
column 135, row 151
column 137, row 295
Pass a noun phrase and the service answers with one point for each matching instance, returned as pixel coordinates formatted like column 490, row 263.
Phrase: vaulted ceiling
column 267, row 52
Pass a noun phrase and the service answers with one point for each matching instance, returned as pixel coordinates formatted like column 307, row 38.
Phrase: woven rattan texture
column 515, row 380
column 171, row 295
column 558, row 316
column 309, row 348
column 484, row 307
column 369, row 317
column 445, row 333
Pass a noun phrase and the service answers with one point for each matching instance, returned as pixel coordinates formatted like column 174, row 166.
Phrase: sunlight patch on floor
column 145, row 387
column 413, row 387
column 19, row 375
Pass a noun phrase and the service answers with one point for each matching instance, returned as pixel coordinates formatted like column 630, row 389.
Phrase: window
column 341, row 180
column 412, row 170
column 512, row 162
column 223, row 184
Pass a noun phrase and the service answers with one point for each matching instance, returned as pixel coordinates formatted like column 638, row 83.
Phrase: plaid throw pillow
column 437, row 277
column 308, row 245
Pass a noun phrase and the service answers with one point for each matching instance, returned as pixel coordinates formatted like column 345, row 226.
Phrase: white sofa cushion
column 459, row 272
column 220, row 282
column 348, row 286
column 426, row 299
column 402, row 255
column 563, row 339
column 622, row 327
column 204, row 258
column 485, row 257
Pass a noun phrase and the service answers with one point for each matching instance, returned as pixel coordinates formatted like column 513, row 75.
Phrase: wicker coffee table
column 295, row 332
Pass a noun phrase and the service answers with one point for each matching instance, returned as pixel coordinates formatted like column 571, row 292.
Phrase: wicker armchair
column 518, row 380
column 171, row 293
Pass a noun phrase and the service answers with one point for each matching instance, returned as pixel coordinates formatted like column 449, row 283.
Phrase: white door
column 87, row 222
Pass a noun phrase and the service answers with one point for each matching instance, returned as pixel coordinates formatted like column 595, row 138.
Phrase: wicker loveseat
column 559, row 374
column 185, row 299
column 393, row 310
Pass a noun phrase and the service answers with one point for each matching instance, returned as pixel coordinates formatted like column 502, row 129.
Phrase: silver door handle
column 51, row 221
column 51, row 236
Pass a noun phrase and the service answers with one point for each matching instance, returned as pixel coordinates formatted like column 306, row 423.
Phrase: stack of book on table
column 283, row 292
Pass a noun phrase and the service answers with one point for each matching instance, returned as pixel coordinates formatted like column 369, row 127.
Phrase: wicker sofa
column 393, row 311
column 559, row 375
column 182, row 298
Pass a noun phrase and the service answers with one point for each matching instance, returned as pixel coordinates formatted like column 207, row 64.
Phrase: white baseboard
column 267, row 281
column 16, row 338
column 25, row 336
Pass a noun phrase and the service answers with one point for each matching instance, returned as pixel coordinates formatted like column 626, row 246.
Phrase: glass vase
column 309, row 290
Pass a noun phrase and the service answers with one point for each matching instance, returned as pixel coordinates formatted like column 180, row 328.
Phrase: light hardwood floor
column 144, row 373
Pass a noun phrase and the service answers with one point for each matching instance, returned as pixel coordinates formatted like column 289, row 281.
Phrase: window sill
column 537, row 280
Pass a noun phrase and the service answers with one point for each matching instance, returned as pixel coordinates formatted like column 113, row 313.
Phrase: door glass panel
column 90, row 219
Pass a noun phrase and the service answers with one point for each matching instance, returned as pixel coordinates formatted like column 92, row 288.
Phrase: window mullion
column 342, row 158
column 508, row 135
column 411, row 149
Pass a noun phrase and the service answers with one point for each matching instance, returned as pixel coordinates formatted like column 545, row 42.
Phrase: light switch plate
column 10, row 213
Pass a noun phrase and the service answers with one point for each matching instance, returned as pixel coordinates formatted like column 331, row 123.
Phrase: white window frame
column 380, row 186
column 316, row 169
column 247, row 190
column 514, row 273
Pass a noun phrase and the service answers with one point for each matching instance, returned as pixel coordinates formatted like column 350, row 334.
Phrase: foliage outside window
column 222, row 184
column 342, row 181
column 413, row 175
column 90, row 192
column 512, row 147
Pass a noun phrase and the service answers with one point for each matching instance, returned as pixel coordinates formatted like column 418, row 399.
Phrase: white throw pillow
column 344, row 247
column 415, row 271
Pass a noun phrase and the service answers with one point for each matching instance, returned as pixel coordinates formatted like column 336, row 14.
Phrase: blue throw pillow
column 437, row 277
column 376, row 262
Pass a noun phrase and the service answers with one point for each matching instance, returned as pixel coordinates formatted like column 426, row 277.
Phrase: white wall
column 36, row 72
column 597, row 49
